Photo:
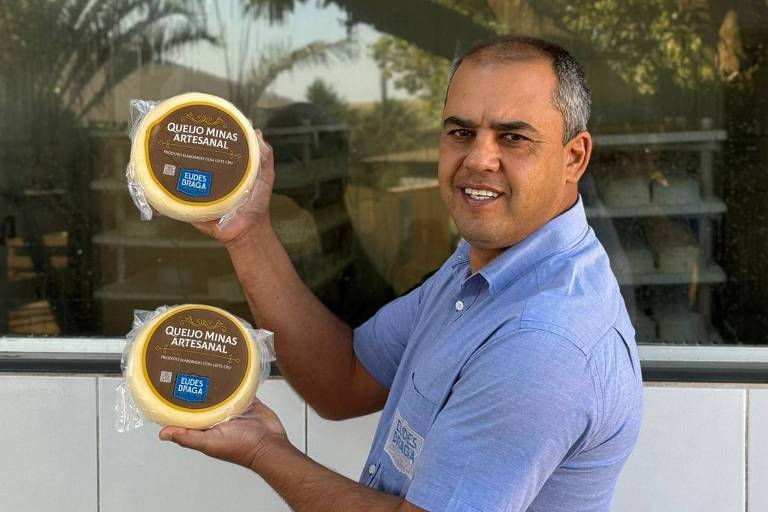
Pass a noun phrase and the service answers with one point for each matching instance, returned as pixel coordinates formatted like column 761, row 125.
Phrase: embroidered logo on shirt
column 403, row 445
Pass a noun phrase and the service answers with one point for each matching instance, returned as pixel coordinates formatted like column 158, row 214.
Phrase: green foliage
column 322, row 94
column 383, row 128
column 274, row 10
column 65, row 55
column 277, row 59
column 650, row 44
column 413, row 70
column 478, row 11
column 375, row 129
column 647, row 41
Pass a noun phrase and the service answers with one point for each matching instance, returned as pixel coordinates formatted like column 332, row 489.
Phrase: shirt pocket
column 416, row 407
column 408, row 429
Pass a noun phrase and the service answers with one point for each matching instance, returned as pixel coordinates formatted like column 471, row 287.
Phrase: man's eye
column 461, row 133
column 514, row 137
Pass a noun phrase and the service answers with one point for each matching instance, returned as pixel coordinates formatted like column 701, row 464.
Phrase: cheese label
column 191, row 388
column 195, row 183
column 196, row 359
column 197, row 153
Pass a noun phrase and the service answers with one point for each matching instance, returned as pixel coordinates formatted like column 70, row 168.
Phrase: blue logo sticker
column 191, row 388
column 194, row 182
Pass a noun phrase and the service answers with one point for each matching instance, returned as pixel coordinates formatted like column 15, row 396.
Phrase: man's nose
column 484, row 154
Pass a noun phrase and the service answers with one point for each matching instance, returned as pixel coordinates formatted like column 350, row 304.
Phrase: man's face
column 502, row 159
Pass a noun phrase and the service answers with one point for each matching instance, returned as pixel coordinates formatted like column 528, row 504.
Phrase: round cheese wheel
column 193, row 366
column 195, row 157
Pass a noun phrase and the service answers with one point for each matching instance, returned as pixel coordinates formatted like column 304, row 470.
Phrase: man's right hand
column 255, row 211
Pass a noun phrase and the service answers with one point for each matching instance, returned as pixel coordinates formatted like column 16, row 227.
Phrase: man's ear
column 576, row 156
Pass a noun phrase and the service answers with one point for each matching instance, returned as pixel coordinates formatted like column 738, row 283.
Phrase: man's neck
column 479, row 258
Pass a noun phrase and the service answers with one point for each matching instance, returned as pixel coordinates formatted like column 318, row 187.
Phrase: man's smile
column 480, row 194
column 477, row 195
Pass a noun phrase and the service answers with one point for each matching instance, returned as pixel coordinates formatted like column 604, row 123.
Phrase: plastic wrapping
column 211, row 145
column 130, row 412
column 139, row 109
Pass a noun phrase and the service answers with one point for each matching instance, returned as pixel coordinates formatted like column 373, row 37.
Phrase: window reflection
column 349, row 94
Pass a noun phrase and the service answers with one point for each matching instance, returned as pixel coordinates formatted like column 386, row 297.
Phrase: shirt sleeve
column 379, row 342
column 520, row 407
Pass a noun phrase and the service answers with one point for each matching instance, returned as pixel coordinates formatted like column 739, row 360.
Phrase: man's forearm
column 314, row 347
column 307, row 486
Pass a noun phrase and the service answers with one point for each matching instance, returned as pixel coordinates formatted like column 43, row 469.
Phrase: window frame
column 659, row 362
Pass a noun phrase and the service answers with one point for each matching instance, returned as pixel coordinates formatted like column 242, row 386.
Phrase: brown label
column 198, row 153
column 196, row 358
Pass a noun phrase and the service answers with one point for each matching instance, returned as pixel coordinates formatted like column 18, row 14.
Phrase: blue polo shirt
column 514, row 388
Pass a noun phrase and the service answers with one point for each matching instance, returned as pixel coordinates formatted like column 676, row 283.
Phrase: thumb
column 208, row 228
column 187, row 438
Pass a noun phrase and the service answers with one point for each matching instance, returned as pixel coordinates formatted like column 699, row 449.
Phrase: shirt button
column 459, row 305
column 371, row 469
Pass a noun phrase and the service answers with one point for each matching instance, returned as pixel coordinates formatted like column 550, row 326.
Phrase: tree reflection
column 58, row 59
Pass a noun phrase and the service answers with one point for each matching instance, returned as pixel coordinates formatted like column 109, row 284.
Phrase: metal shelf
column 685, row 137
column 326, row 219
column 707, row 206
column 687, row 140
column 712, row 274
column 118, row 239
column 129, row 290
column 146, row 288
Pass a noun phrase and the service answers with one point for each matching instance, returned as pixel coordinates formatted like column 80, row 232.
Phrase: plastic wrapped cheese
column 194, row 157
column 675, row 244
column 624, row 191
column 676, row 189
column 190, row 366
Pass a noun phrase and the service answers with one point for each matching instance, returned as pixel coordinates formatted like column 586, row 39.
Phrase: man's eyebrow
column 499, row 126
column 460, row 122
column 514, row 126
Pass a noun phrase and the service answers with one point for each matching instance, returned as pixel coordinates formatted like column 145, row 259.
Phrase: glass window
column 350, row 94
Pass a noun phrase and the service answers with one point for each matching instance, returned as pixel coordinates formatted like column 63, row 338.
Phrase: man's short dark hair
column 573, row 95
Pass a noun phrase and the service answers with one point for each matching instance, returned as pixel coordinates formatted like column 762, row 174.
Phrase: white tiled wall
column 47, row 444
column 690, row 454
column 60, row 452
column 342, row 446
column 139, row 472
column 757, row 456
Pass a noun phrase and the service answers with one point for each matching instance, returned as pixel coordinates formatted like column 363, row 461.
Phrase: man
column 509, row 380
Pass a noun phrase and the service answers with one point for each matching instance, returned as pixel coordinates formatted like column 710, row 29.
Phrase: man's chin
column 486, row 243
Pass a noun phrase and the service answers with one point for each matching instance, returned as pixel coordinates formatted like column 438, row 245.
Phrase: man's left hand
column 255, row 436
column 241, row 440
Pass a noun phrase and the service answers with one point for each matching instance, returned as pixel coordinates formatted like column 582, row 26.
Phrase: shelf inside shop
column 148, row 286
column 682, row 137
column 327, row 218
column 711, row 274
column 118, row 239
column 707, row 206
column 133, row 290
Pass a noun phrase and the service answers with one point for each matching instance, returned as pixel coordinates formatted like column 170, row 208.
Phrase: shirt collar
column 558, row 234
